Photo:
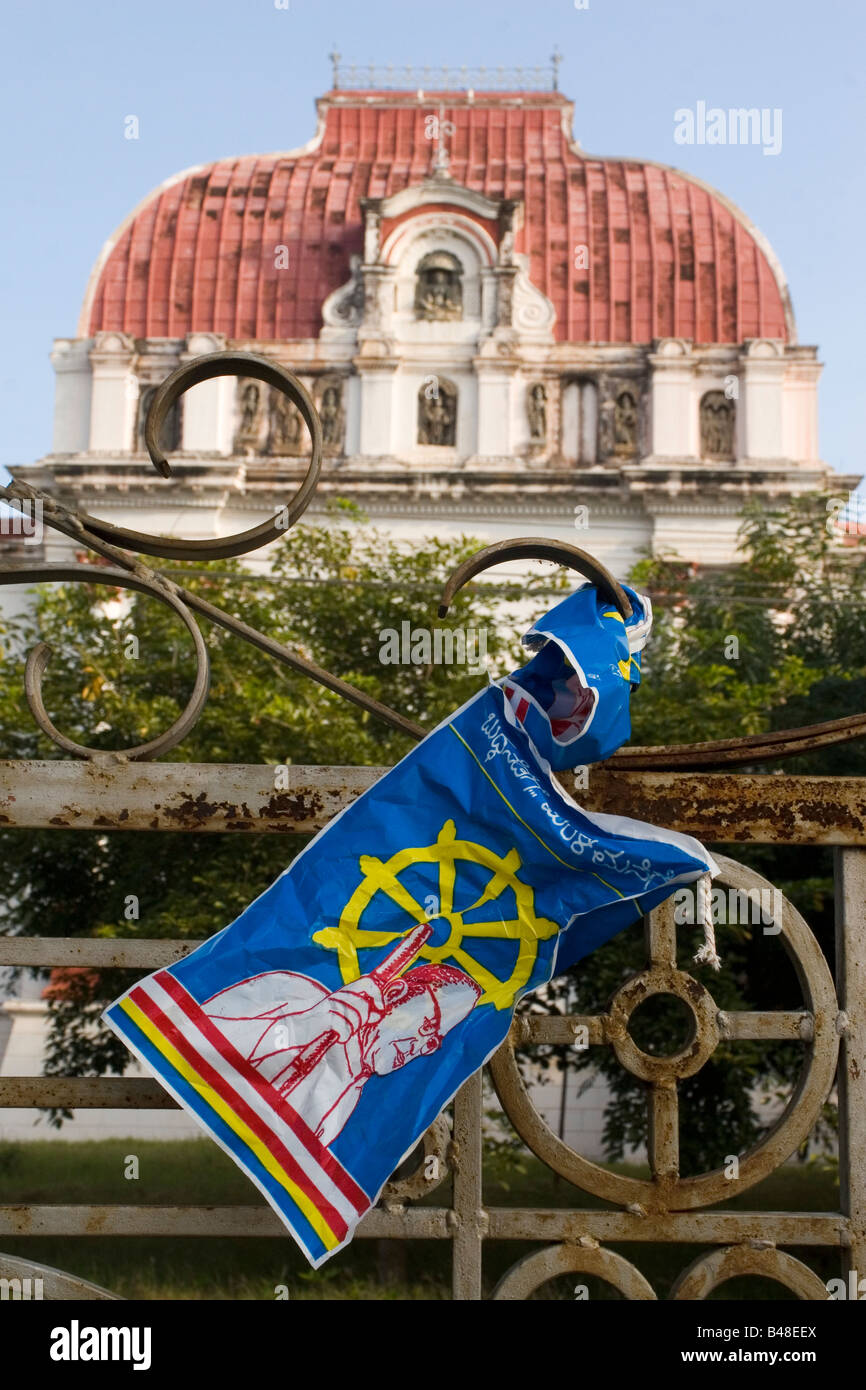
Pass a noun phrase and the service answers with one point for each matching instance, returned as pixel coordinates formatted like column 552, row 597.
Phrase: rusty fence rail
column 830, row 1024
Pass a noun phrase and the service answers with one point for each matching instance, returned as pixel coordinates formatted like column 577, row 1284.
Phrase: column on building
column 674, row 408
column 761, row 392
column 208, row 408
column 800, row 412
column 72, row 392
column 114, row 393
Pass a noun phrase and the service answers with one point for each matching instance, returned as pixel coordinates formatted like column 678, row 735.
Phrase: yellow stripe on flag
column 244, row 1133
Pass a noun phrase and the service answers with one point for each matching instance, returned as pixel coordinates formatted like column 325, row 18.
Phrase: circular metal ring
column 213, row 364
column 534, row 1270
column 668, row 1192
column 704, row 1035
column 55, row 1284
column 707, row 1272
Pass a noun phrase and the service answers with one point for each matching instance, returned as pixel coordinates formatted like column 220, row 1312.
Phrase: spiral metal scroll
column 40, row 656
column 119, row 546
column 205, row 368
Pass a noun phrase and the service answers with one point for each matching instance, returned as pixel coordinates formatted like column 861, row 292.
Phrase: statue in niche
column 331, row 415
column 717, row 426
column 625, row 424
column 285, row 432
column 439, row 288
column 536, row 409
column 249, row 408
column 250, row 404
column 437, row 414
column 171, row 428
column 606, row 431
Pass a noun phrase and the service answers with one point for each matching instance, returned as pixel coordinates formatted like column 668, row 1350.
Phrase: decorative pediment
column 387, row 219
column 437, row 189
column 197, row 344
column 108, row 343
column 766, row 348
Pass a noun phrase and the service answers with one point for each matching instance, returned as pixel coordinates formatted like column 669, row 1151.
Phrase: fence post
column 467, row 1212
column 850, row 866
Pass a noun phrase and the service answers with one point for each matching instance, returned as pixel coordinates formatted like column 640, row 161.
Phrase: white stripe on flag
column 287, row 1136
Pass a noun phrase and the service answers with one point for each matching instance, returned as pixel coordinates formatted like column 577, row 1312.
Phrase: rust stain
column 95, row 1222
column 300, row 806
column 23, row 1219
column 197, row 810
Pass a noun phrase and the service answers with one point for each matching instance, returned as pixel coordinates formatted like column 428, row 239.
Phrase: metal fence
column 830, row 1025
column 668, row 785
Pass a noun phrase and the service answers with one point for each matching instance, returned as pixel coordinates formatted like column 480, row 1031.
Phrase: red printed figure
column 319, row 1049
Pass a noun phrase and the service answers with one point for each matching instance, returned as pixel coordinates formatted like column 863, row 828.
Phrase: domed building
column 503, row 335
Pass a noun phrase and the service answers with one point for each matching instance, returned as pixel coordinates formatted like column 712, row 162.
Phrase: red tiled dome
column 667, row 256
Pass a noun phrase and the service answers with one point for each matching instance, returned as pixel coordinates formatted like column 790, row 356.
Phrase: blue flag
column 318, row 1036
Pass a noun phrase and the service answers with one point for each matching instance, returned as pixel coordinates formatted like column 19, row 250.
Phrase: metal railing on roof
column 430, row 78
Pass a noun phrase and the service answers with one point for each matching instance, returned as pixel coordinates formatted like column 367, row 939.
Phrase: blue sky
column 208, row 78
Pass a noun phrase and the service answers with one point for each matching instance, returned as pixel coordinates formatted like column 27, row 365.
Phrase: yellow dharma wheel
column 468, row 926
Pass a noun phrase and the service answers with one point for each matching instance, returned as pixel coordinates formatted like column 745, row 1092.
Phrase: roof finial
column 555, row 60
column 440, row 128
column 335, row 64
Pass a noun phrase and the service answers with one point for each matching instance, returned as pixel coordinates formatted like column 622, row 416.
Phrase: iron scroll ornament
column 106, row 540
column 215, row 364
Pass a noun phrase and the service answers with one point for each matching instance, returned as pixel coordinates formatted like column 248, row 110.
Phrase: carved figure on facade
column 619, row 418
column 536, row 410
column 251, row 405
column 332, row 416
column 625, row 424
column 606, row 430
column 717, row 426
column 437, row 414
column 285, row 427
column 439, row 287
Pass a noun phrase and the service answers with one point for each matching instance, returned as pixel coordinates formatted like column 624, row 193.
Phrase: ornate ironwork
column 830, row 1025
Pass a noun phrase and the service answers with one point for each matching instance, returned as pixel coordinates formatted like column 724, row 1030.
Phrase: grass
column 196, row 1172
